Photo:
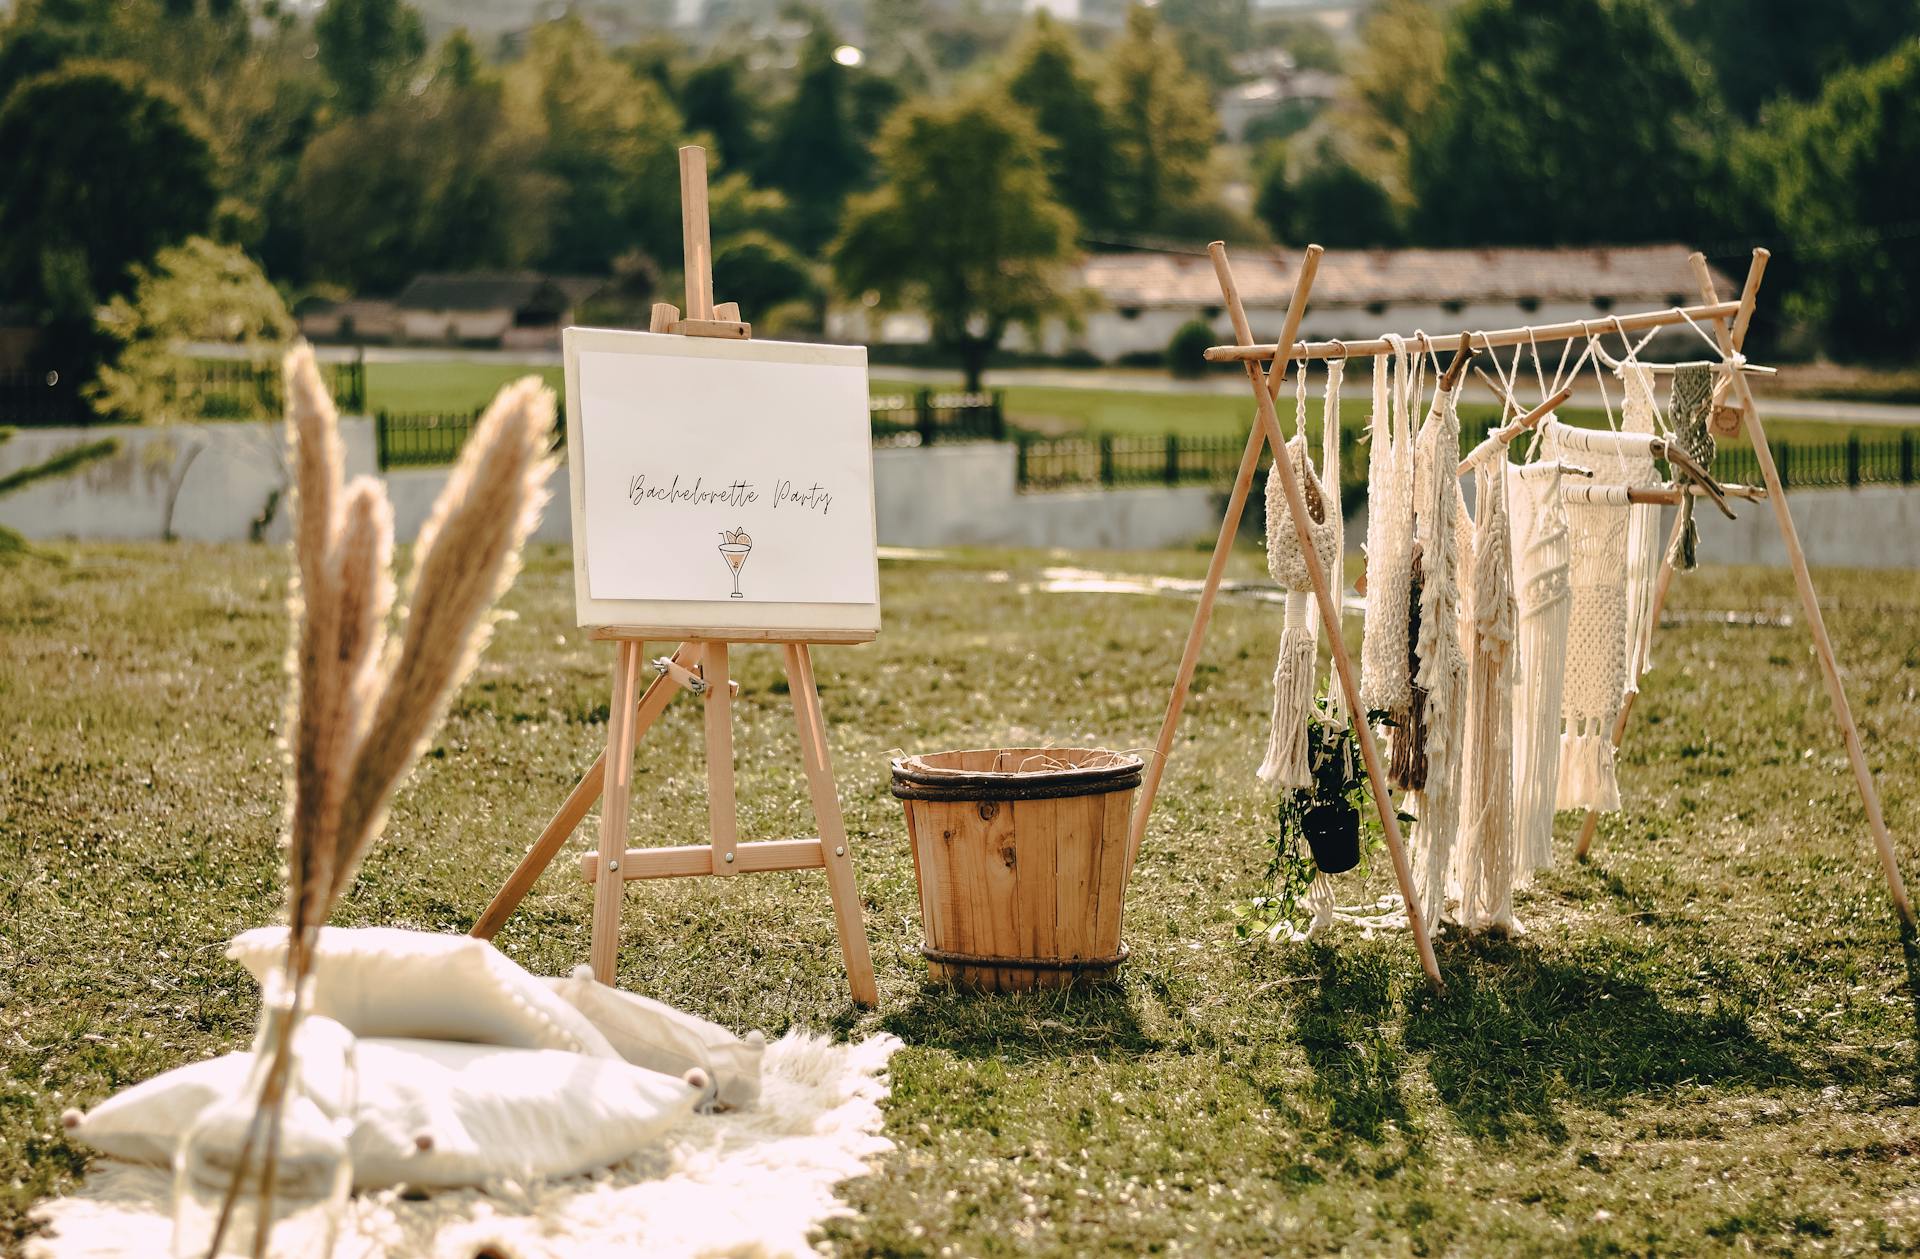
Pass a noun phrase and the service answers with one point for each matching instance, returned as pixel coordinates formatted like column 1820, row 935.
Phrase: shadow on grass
column 1024, row 1027
column 1514, row 1030
column 1910, row 948
column 1343, row 1020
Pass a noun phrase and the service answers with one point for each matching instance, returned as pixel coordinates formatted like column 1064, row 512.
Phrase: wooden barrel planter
column 1021, row 855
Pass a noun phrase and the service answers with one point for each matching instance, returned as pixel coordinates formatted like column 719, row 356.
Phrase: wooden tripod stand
column 700, row 666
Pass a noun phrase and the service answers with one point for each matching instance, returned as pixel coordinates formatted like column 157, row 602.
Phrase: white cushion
column 386, row 981
column 653, row 1034
column 432, row 1113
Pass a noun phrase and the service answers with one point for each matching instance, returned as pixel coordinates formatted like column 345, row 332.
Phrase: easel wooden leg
column 849, row 920
column 608, row 885
column 579, row 801
column 723, row 820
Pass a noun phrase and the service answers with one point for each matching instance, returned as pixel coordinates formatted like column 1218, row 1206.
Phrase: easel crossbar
column 687, row 860
column 1479, row 340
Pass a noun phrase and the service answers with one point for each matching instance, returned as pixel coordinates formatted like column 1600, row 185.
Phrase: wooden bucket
column 1021, row 855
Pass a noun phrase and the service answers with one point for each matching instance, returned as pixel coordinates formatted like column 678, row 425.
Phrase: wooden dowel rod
column 1480, row 340
column 608, row 887
column 695, row 236
column 1216, row 569
column 1330, row 621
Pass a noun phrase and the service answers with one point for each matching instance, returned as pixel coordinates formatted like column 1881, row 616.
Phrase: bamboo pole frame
column 1476, row 339
column 1266, row 431
column 700, row 665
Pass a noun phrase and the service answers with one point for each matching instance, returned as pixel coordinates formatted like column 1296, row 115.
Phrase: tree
column 1393, row 78
column 606, row 140
column 760, row 273
column 103, row 168
column 715, row 100
column 442, row 181
column 369, row 48
column 198, row 291
column 1323, row 198
column 1763, row 49
column 815, row 154
column 1048, row 77
column 1838, row 176
column 1163, row 124
column 1563, row 122
column 964, row 224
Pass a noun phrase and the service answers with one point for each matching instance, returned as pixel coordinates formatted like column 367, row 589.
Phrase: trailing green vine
column 1333, row 756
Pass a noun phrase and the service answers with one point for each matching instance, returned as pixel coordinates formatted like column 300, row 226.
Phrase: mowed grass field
column 1704, row 1044
column 459, row 385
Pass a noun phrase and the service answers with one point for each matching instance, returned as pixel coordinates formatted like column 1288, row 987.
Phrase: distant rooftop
column 1359, row 277
column 493, row 290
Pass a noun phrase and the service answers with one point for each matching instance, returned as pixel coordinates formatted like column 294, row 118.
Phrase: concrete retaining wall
column 219, row 479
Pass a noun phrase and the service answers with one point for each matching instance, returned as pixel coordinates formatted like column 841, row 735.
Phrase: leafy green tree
column 760, row 273
column 963, row 225
column 439, row 182
column 197, row 291
column 815, row 154
column 1208, row 33
column 1762, row 49
column 1393, row 77
column 1324, row 199
column 1047, row 75
column 1838, row 176
column 103, row 168
column 1163, row 124
column 606, row 139
column 716, row 102
column 369, row 48
column 1564, row 122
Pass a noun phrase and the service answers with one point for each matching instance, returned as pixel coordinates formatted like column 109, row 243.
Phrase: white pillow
column 386, row 981
column 432, row 1113
column 144, row 1124
column 653, row 1034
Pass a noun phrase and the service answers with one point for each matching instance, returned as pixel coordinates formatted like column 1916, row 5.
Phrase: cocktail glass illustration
column 734, row 547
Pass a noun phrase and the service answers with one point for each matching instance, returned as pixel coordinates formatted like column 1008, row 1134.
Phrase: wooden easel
column 1730, row 320
column 700, row 666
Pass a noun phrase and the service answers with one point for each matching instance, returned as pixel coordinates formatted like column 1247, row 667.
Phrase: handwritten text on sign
column 710, row 479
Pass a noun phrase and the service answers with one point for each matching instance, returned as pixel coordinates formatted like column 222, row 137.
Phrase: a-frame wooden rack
column 699, row 665
column 1729, row 321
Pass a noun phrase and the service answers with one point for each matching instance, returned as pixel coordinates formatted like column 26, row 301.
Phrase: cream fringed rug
column 752, row 1183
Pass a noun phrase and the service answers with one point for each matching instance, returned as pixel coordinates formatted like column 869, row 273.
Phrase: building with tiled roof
column 1136, row 301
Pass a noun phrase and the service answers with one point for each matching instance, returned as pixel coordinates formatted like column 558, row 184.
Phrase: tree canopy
column 1163, row 124
column 1047, row 76
column 964, row 223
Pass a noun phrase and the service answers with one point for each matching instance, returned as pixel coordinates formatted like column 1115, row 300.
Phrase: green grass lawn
column 1706, row 1042
column 455, row 385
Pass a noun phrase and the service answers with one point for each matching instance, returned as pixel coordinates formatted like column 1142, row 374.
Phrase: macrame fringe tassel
column 1286, row 760
column 1587, row 777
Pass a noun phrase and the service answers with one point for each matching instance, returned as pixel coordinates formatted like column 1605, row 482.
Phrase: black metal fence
column 429, row 439
column 1112, row 461
column 927, row 416
column 218, row 389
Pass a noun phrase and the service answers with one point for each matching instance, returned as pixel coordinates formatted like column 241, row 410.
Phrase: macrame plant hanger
column 1729, row 321
column 1265, row 384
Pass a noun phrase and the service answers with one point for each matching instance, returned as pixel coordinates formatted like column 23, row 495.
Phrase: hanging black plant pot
column 1332, row 829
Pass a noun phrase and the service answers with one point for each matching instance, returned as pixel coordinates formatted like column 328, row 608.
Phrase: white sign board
column 720, row 485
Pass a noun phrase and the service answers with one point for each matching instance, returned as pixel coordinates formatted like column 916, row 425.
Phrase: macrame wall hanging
column 1385, row 679
column 1691, row 409
column 1438, row 523
column 1639, row 414
column 1542, row 554
column 1484, row 857
column 1596, row 672
column 1285, row 763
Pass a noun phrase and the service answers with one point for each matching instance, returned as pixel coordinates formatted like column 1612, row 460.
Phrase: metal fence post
column 380, row 439
column 997, row 416
column 1906, row 456
column 1173, row 458
column 1853, row 459
column 1020, row 462
column 924, row 417
column 1106, row 458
